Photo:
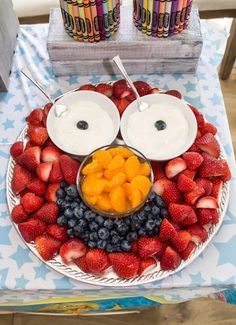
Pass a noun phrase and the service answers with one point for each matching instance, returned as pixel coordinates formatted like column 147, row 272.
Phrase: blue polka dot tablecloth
column 25, row 282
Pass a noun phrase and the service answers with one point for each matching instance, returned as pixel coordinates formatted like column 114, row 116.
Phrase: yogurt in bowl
column 83, row 121
column 165, row 130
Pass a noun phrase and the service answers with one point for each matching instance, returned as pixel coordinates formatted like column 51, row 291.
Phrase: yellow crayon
column 72, row 19
column 144, row 16
column 82, row 20
column 110, row 16
column 149, row 17
column 77, row 21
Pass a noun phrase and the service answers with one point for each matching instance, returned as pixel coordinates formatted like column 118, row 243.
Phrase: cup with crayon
column 90, row 20
column 161, row 18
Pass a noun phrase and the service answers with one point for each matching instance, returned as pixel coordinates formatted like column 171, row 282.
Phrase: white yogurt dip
column 144, row 136
column 99, row 132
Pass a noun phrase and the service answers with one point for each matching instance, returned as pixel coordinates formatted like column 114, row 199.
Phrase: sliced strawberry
column 104, row 89
column 181, row 240
column 211, row 166
column 50, row 154
column 207, row 202
column 158, row 170
column 49, row 143
column 217, row 188
column 227, row 173
column 198, row 233
column 167, row 230
column 209, row 128
column 88, row 87
column 170, row 259
column 31, row 202
column 134, row 246
column 188, row 250
column 123, row 103
column 97, row 261
column 56, row 175
column 35, row 117
column 189, row 173
column 192, row 197
column 43, row 171
column 194, row 110
column 194, row 148
column 50, row 194
column 47, row 246
column 115, row 101
column 71, row 250
column 47, row 108
column 37, row 134
column 131, row 97
column 142, row 87
column 148, row 246
column 122, row 92
column 154, row 91
column 193, row 160
column 31, row 228
column 198, row 134
column 20, row 179
column 182, row 214
column 69, row 168
column 146, row 265
column 174, row 93
column 119, row 83
column 82, row 264
column 185, row 184
column 206, row 216
column 48, row 213
column 206, row 184
column 168, row 191
column 30, row 158
column 57, row 232
column 200, row 122
column 28, row 145
column 158, row 256
column 37, row 186
column 16, row 149
column 18, row 214
column 174, row 167
column 126, row 265
column 209, row 144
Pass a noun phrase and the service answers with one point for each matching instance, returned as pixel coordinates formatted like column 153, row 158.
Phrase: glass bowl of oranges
column 115, row 181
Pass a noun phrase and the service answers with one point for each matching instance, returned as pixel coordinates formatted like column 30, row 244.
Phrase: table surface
column 213, row 270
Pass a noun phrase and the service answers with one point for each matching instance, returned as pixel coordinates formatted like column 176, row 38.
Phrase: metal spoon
column 141, row 104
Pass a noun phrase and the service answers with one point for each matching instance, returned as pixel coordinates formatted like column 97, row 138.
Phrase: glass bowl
column 112, row 214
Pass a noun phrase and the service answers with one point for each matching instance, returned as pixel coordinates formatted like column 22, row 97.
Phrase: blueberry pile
column 113, row 235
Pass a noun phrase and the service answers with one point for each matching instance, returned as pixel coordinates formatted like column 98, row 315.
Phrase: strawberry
column 174, row 167
column 185, row 184
column 167, row 230
column 209, row 144
column 134, row 246
column 31, row 228
column 57, row 232
column 56, row 175
column 126, row 265
column 189, row 173
column 198, row 134
column 194, row 148
column 37, row 186
column 200, row 121
column 158, row 170
column 122, row 92
column 47, row 246
column 50, row 154
column 209, row 128
column 158, row 255
column 119, row 83
column 123, row 103
column 192, row 197
column 146, row 265
column 131, row 97
column 18, row 214
column 69, row 168
column 170, row 259
column 47, row 108
column 50, row 194
column 37, row 134
column 115, row 101
column 211, row 166
column 194, row 110
column 193, row 160
column 104, row 89
column 82, row 264
column 30, row 158
column 198, row 233
column 71, row 250
column 16, row 149
column 49, row 143
column 154, row 91
column 88, row 87
column 20, row 179
column 206, row 216
column 148, row 246
column 207, row 202
column 181, row 240
column 227, row 174
column 206, row 184
column 142, row 87
column 28, row 145
column 43, row 171
column 167, row 190
column 97, row 260
column 217, row 188
column 31, row 202
column 35, row 117
column 48, row 212
column 188, row 250
column 174, row 93
column 182, row 214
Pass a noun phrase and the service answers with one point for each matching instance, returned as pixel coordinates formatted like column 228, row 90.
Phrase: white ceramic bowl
column 162, row 100
column 83, row 95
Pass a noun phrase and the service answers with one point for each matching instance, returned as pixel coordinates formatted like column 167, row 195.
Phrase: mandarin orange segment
column 132, row 167
column 97, row 174
column 92, row 167
column 103, row 157
column 141, row 183
column 117, row 180
column 91, row 199
column 118, row 199
column 124, row 152
column 136, row 197
column 116, row 163
column 104, row 202
column 93, row 186
column 145, row 169
column 108, row 174
column 128, row 190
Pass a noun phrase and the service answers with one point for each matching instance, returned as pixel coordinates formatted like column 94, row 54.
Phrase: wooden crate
column 140, row 53
column 8, row 32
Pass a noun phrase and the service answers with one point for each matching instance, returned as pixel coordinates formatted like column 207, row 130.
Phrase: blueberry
column 164, row 212
column 118, row 222
column 117, row 248
column 99, row 220
column 91, row 244
column 132, row 236
column 115, row 239
column 141, row 232
column 127, row 221
column 85, row 236
column 141, row 216
column 147, row 208
column 83, row 206
column 78, row 213
column 135, row 225
column 60, row 202
column 63, row 184
column 82, row 125
column 125, row 246
column 108, row 223
column 160, row 202
column 155, row 210
column 68, row 198
column 103, row 233
column 82, row 224
column 93, row 226
column 74, row 205
column 70, row 233
column 72, row 222
column 149, row 225
column 78, row 200
column 71, row 191
column 122, row 229
column 114, row 233
column 62, row 221
column 68, row 213
column 93, row 236
column 109, row 248
column 89, row 215
column 65, row 205
column 101, row 244
column 160, row 125
column 60, row 193
column 152, row 196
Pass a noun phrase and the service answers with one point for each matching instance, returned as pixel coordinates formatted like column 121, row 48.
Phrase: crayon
column 135, row 12
column 82, row 20
column 88, row 19
column 105, row 18
column 72, row 20
column 155, row 17
column 63, row 13
column 149, row 17
column 166, row 23
column 118, row 12
column 68, row 19
column 144, row 16
column 182, row 16
column 94, row 17
column 114, row 15
column 77, row 20
column 177, row 17
column 172, row 16
column 110, row 16
column 140, row 9
column 187, row 13
column 162, row 7
column 100, row 19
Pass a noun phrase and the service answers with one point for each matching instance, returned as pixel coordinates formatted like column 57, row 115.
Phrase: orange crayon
column 77, row 20
column 182, row 16
column 162, row 7
column 88, row 19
